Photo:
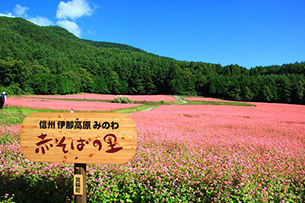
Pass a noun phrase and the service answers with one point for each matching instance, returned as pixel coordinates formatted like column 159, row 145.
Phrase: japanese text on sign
column 77, row 125
column 78, row 144
column 78, row 181
column 105, row 138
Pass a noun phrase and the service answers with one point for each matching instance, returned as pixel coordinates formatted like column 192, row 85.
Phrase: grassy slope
column 15, row 115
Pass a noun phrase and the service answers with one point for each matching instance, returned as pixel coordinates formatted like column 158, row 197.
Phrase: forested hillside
column 50, row 60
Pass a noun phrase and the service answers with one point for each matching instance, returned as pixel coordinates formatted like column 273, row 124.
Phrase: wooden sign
column 101, row 138
column 78, row 184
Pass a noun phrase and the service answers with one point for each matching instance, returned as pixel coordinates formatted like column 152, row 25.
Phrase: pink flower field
column 256, row 152
column 187, row 153
column 67, row 105
column 152, row 98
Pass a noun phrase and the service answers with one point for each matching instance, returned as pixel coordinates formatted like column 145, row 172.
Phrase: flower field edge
column 87, row 96
column 67, row 105
column 185, row 154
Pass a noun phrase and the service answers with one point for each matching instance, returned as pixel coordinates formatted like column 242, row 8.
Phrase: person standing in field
column 2, row 99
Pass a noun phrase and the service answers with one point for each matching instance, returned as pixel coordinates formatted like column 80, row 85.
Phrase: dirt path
column 180, row 99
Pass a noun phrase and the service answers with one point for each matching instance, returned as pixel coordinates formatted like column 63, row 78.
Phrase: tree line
column 50, row 60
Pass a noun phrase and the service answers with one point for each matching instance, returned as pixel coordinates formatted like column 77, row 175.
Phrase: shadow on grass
column 43, row 189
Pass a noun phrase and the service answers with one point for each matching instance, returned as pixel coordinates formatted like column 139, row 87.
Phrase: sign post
column 79, row 138
column 79, row 183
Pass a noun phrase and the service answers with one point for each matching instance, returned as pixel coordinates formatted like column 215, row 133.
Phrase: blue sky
column 245, row 32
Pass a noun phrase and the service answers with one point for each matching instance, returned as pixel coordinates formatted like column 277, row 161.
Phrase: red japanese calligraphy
column 61, row 144
column 111, row 140
column 42, row 142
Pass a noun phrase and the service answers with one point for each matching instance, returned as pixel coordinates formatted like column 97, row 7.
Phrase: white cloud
column 73, row 9
column 7, row 15
column 42, row 21
column 20, row 11
column 70, row 26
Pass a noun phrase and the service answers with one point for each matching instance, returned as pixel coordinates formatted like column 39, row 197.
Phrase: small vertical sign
column 77, row 184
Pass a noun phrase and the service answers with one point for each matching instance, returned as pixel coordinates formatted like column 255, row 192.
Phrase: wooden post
column 79, row 183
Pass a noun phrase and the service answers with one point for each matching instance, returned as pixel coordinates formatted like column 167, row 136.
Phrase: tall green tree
column 300, row 90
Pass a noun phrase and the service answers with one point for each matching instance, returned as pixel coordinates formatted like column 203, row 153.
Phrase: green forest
column 50, row 60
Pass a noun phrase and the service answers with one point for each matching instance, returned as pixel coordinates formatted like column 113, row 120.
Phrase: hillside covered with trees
column 50, row 60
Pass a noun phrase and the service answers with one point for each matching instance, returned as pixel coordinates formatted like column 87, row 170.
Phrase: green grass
column 208, row 103
column 136, row 109
column 217, row 103
column 15, row 115
column 65, row 99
